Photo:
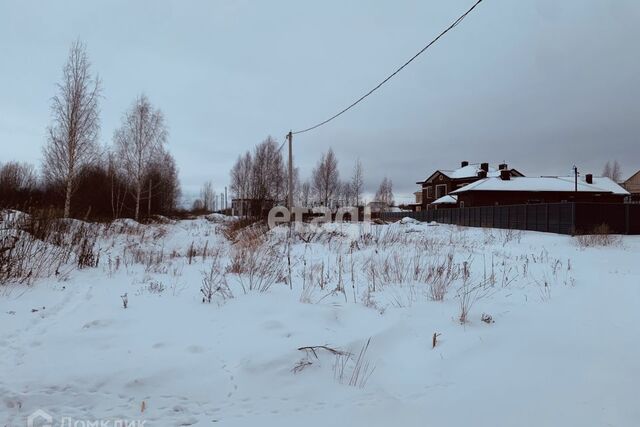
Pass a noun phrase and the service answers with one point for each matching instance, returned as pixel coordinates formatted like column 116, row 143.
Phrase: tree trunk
column 149, row 204
column 138, row 191
column 67, row 199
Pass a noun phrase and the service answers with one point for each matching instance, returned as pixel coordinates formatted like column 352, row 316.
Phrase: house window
column 441, row 190
column 429, row 192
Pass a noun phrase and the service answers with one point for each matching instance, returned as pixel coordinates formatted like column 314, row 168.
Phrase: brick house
column 515, row 190
column 632, row 185
column 444, row 181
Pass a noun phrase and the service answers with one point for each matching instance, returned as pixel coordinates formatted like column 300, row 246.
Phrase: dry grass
column 214, row 281
column 600, row 236
column 37, row 246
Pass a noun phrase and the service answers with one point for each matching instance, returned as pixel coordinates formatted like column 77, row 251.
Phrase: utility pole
column 225, row 198
column 575, row 173
column 290, row 197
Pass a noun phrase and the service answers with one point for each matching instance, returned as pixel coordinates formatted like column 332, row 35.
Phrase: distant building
column 377, row 207
column 509, row 190
column 632, row 185
column 444, row 181
column 417, row 205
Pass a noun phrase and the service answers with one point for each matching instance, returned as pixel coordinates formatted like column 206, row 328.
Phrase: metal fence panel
column 563, row 218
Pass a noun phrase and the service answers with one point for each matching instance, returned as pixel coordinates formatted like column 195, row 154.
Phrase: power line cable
column 450, row 27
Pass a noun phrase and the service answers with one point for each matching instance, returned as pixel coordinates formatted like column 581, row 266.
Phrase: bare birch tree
column 385, row 192
column 326, row 178
column 357, row 182
column 612, row 171
column 240, row 176
column 305, row 194
column 606, row 171
column 268, row 174
column 116, row 184
column 140, row 138
column 76, row 124
column 616, row 172
column 208, row 196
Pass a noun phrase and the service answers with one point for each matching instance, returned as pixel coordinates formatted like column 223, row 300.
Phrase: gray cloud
column 541, row 84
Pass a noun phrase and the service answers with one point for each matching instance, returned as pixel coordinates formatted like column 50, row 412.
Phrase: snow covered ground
column 560, row 345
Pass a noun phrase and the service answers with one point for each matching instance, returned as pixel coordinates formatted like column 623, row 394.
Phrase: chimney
column 589, row 178
column 482, row 173
column 502, row 166
column 484, row 167
column 464, row 163
column 505, row 174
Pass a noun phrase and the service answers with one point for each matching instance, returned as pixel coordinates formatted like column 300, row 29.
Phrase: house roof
column 544, row 183
column 469, row 171
column 632, row 177
column 446, row 200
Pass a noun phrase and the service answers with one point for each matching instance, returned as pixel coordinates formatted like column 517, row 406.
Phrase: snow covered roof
column 445, row 200
column 468, row 171
column 544, row 183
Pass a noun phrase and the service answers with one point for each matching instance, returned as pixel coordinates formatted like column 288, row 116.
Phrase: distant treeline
column 102, row 192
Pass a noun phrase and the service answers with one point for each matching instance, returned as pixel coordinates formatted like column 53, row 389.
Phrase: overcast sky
column 541, row 84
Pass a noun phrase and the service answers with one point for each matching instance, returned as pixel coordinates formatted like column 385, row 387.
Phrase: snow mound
column 409, row 220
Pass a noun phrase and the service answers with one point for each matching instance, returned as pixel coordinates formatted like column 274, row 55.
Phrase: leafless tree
column 260, row 177
column 16, row 176
column 305, row 193
column 171, row 183
column 612, row 171
column 208, row 196
column 241, row 178
column 357, row 182
column 346, row 197
column 606, row 171
column 76, row 123
column 616, row 172
column 117, row 184
column 138, row 140
column 385, row 192
column 268, row 173
column 326, row 178
column 197, row 205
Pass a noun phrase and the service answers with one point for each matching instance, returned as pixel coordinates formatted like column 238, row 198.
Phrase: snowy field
column 531, row 329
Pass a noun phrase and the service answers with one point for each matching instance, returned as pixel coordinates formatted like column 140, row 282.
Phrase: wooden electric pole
column 290, row 196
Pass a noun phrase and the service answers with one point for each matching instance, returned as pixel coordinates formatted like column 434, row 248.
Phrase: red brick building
column 507, row 189
column 444, row 181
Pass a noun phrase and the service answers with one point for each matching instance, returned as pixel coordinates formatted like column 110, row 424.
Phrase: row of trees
column 84, row 178
column 260, row 178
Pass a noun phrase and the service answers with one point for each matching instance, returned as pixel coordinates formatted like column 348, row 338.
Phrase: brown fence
column 562, row 218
